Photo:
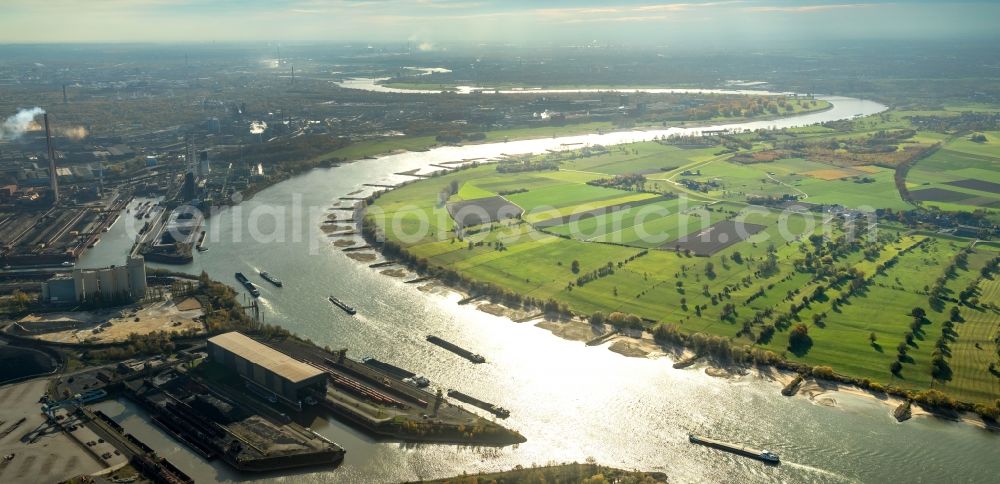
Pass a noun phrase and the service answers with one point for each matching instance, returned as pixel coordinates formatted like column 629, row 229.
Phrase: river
column 570, row 401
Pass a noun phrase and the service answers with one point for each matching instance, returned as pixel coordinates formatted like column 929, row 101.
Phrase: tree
column 918, row 312
column 597, row 318
column 575, row 267
column 872, row 338
column 799, row 341
column 896, row 367
column 710, row 269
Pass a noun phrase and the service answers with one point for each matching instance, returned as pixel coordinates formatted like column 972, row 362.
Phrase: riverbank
column 374, row 148
column 824, row 392
column 500, row 274
column 557, row 473
column 641, row 344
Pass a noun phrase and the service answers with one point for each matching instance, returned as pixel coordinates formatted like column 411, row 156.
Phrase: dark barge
column 458, row 350
column 251, row 288
column 340, row 304
column 764, row 455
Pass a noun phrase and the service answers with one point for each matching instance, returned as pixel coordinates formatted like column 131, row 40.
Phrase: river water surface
column 570, row 401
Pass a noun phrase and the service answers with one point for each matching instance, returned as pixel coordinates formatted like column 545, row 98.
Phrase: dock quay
column 360, row 247
column 382, row 264
column 376, row 185
column 446, row 167
column 388, row 368
column 458, row 350
column 351, row 378
column 217, row 423
column 737, row 449
column 489, row 407
column 415, row 414
column 138, row 453
column 419, row 279
column 351, row 209
column 352, row 198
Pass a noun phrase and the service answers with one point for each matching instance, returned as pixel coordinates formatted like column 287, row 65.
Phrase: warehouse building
column 266, row 368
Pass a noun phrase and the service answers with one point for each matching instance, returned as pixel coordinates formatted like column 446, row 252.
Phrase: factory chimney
column 53, row 182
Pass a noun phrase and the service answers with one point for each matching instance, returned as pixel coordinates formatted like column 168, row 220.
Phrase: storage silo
column 122, row 287
column 137, row 277
column 90, row 285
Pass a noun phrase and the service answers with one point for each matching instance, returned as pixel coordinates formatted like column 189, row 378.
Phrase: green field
column 744, row 298
column 961, row 159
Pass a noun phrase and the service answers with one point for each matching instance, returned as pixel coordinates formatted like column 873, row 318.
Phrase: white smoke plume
column 75, row 133
column 14, row 126
column 25, row 120
column 257, row 127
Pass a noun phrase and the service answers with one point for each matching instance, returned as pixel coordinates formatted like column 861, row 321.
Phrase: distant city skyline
column 428, row 23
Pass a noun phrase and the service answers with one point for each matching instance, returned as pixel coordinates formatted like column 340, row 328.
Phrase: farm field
column 962, row 175
column 618, row 230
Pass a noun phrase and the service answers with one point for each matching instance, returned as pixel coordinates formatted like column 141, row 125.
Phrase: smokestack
column 53, row 181
column 64, row 94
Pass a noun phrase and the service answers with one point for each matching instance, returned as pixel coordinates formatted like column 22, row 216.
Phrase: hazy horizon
column 426, row 24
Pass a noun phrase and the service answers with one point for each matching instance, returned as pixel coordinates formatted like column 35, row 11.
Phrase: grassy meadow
column 610, row 249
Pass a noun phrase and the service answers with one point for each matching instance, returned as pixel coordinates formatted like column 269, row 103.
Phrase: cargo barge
column 247, row 284
column 201, row 243
column 269, row 278
column 340, row 304
column 763, row 455
column 489, row 407
column 405, row 375
column 458, row 350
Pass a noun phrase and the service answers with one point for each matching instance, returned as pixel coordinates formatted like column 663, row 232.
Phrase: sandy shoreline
column 362, row 256
column 823, row 392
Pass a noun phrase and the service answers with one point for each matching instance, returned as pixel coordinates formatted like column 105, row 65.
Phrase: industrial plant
column 267, row 370
column 113, row 284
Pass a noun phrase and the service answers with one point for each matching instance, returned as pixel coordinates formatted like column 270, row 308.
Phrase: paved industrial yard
column 42, row 452
column 115, row 325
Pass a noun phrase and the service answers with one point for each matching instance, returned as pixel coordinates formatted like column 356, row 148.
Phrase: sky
column 430, row 24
